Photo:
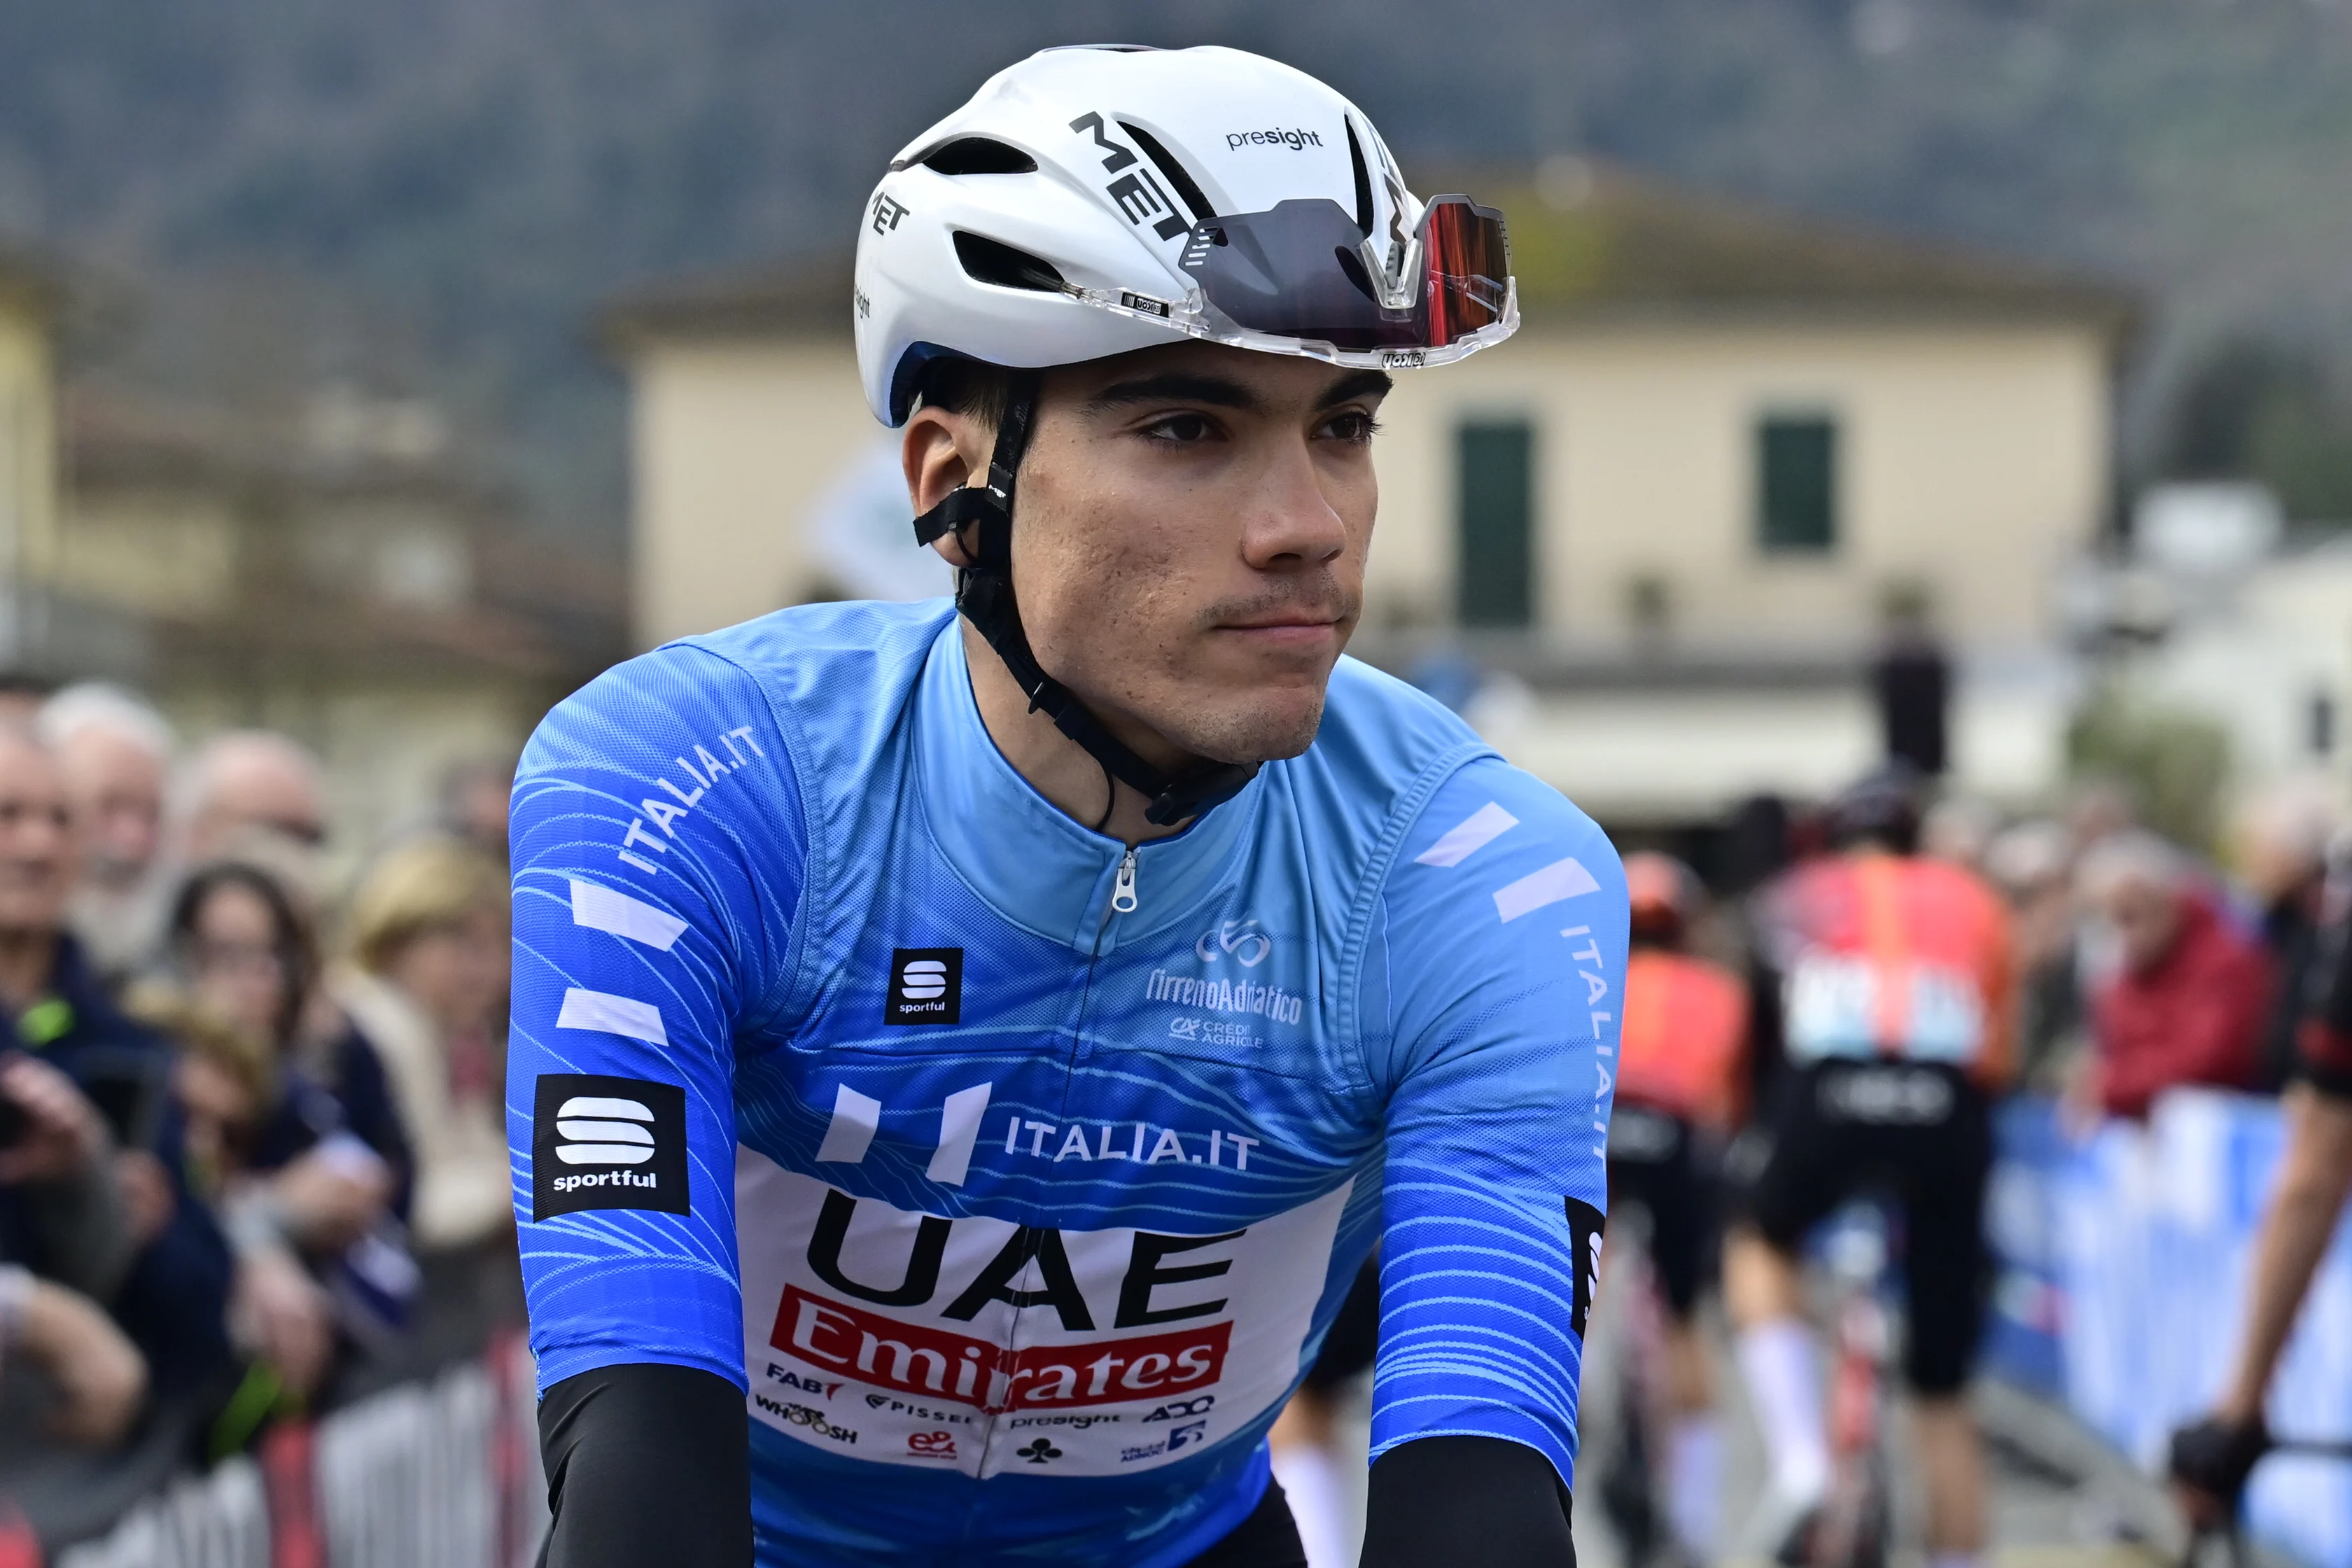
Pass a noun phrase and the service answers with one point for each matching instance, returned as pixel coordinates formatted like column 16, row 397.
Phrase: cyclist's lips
column 1303, row 632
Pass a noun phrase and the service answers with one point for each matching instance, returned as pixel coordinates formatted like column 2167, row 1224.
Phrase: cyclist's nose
column 1290, row 519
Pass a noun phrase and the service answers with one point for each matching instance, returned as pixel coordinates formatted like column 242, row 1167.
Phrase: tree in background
column 2253, row 409
column 2171, row 761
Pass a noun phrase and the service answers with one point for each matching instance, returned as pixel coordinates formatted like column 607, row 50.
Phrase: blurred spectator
column 428, row 990
column 171, row 1300
column 2098, row 806
column 226, row 1088
column 1959, row 828
column 2187, row 1000
column 117, row 755
column 2280, row 843
column 250, row 781
column 1912, row 682
column 305, row 1203
column 473, row 799
column 245, row 952
column 2097, row 809
column 2032, row 864
column 95, row 1376
column 62, row 1209
column 1756, row 844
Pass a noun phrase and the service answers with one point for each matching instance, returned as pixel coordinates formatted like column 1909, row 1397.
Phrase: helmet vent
column 1187, row 190
column 1363, row 180
column 994, row 261
column 978, row 156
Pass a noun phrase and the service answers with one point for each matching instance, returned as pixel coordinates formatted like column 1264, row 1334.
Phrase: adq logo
column 1243, row 938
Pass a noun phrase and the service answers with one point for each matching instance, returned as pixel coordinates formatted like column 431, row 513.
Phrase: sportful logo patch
column 611, row 1132
column 925, row 986
column 604, row 1143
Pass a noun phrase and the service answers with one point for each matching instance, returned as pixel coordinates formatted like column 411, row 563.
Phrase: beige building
column 333, row 573
column 330, row 571
column 1669, row 519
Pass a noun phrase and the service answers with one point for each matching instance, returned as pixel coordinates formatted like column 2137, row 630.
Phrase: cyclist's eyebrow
column 1360, row 384
column 1175, row 387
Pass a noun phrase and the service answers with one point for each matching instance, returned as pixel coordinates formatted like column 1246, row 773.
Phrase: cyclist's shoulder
column 1380, row 736
column 812, row 657
column 1499, row 841
column 1393, row 745
column 1715, row 981
column 842, row 640
column 1958, row 886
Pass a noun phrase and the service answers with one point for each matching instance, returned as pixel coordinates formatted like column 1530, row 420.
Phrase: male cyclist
column 2213, row 1457
column 986, row 1049
column 1681, row 1090
column 1897, row 996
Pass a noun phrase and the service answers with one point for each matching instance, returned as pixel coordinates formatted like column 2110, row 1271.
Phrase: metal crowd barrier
column 441, row 1475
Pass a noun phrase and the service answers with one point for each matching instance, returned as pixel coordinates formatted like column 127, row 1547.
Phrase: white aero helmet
column 1093, row 200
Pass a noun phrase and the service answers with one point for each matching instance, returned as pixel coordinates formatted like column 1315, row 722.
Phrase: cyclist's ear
column 943, row 450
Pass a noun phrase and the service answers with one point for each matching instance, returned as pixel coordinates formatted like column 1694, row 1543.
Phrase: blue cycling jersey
column 1015, row 1174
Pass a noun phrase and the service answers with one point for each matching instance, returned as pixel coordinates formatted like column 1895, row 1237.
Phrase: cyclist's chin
column 1258, row 723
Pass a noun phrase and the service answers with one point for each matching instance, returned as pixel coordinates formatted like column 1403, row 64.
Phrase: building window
column 1796, row 483
column 1498, row 498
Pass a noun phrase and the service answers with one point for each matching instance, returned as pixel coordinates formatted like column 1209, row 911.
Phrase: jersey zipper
column 1123, row 901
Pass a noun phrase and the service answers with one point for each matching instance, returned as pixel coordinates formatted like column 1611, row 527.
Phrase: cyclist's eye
column 1352, row 426
column 1182, row 429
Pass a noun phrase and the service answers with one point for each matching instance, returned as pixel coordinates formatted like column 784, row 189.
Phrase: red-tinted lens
column 1466, row 268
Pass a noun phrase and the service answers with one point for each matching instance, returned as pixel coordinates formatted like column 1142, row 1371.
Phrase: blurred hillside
column 430, row 199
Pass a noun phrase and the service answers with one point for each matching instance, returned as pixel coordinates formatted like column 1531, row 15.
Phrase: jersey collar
column 1029, row 861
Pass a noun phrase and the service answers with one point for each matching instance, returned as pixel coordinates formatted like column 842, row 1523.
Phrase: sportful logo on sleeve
column 603, row 1143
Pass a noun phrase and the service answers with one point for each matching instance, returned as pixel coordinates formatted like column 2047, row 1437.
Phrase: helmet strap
column 981, row 519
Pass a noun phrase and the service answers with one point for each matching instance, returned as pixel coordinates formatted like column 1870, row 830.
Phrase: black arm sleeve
column 646, row 1464
column 1467, row 1499
column 2324, row 1038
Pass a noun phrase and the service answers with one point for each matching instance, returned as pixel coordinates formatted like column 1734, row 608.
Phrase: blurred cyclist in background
column 1898, row 1005
column 1681, row 1088
column 2213, row 1457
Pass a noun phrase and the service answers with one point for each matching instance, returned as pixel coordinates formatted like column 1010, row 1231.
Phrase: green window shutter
column 1497, row 477
column 1796, row 487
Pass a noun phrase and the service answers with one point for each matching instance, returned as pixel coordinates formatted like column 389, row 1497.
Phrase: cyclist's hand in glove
column 2210, row 1461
